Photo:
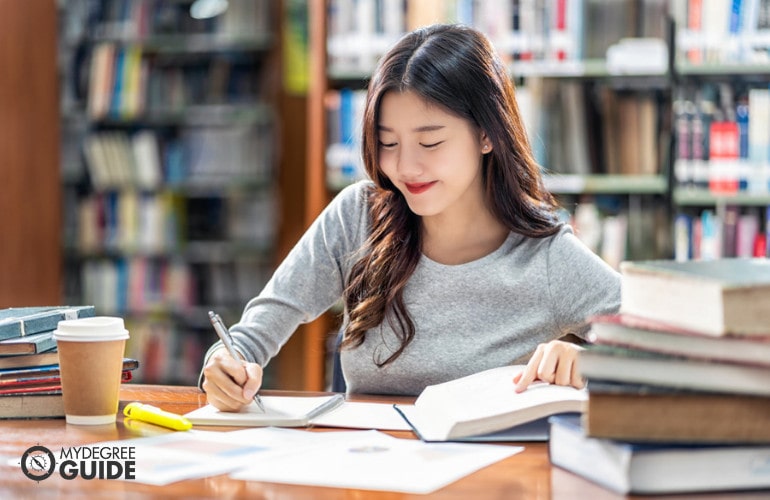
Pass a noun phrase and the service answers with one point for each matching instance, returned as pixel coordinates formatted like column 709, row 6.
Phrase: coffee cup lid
column 94, row 329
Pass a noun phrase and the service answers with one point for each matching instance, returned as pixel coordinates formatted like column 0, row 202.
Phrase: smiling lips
column 419, row 187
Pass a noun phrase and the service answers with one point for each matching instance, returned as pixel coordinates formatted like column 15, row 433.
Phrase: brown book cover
column 652, row 415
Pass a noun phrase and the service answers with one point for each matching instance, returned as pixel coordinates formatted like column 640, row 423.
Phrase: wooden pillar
column 30, row 190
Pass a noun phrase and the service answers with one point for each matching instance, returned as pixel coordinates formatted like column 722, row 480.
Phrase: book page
column 487, row 402
column 358, row 415
column 487, row 393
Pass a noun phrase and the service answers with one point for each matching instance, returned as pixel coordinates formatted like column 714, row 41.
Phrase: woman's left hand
column 555, row 363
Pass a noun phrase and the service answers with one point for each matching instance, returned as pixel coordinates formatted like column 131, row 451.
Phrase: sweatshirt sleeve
column 308, row 281
column 580, row 283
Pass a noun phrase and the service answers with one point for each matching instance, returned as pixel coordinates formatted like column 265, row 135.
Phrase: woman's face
column 431, row 156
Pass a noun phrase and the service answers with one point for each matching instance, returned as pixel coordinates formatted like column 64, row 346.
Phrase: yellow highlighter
column 153, row 415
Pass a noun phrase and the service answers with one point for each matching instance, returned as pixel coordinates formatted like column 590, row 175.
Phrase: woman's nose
column 408, row 163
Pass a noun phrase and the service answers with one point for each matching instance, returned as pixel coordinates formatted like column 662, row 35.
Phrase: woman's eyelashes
column 388, row 145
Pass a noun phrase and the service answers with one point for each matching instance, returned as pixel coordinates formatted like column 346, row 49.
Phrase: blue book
column 22, row 321
column 28, row 344
column 742, row 118
column 626, row 467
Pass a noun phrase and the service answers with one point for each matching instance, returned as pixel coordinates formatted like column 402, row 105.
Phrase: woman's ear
column 486, row 144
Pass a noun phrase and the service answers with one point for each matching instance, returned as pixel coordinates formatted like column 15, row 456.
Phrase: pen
column 224, row 336
column 153, row 415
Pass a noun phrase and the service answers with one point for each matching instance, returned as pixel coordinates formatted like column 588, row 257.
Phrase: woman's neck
column 462, row 238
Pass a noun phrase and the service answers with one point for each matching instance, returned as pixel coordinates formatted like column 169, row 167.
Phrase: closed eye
column 432, row 145
column 388, row 144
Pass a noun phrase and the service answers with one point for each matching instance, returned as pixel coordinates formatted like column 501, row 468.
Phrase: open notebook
column 280, row 411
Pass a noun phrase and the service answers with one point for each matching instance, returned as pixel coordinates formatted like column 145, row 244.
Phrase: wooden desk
column 527, row 475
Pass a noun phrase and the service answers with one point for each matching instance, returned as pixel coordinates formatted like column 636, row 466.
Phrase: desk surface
column 527, row 475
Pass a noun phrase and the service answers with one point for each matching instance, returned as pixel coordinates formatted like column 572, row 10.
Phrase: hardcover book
column 618, row 364
column 42, row 398
column 28, row 344
column 45, row 378
column 628, row 467
column 43, row 404
column 641, row 333
column 28, row 360
column 714, row 297
column 22, row 321
column 644, row 413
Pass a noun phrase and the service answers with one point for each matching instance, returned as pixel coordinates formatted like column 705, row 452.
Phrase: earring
column 486, row 147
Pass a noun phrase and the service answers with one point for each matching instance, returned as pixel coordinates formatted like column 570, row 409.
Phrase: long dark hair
column 456, row 68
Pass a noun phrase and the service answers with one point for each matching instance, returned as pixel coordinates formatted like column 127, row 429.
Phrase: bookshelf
column 30, row 263
column 169, row 170
column 721, row 182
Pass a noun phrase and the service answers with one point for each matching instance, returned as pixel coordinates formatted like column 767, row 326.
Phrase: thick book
column 280, row 411
column 43, row 400
column 645, row 334
column 618, row 364
column 45, row 378
column 627, row 467
column 29, row 360
column 485, row 403
column 29, row 344
column 714, row 297
column 44, row 404
column 654, row 414
column 21, row 321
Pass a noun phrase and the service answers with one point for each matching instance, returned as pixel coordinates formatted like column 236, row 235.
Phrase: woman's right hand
column 230, row 384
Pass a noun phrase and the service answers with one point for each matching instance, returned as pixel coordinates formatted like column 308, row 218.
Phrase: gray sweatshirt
column 469, row 317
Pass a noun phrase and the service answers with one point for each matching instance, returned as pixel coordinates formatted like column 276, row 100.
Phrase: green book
column 16, row 322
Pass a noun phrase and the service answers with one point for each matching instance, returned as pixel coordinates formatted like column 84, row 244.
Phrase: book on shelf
column 628, row 467
column 619, row 364
column 280, row 411
column 715, row 297
column 644, row 413
column 637, row 332
column 484, row 403
column 22, row 321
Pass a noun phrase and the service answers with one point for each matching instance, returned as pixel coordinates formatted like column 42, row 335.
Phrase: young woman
column 450, row 260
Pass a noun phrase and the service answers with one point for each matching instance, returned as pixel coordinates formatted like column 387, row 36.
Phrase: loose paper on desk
column 176, row 456
column 355, row 459
column 371, row 460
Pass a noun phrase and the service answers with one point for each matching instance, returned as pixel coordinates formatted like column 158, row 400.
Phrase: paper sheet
column 346, row 459
column 193, row 454
column 371, row 460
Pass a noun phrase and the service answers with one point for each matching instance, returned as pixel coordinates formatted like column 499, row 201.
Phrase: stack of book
column 680, row 375
column 30, row 380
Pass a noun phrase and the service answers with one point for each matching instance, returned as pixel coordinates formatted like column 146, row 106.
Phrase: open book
column 280, row 411
column 485, row 403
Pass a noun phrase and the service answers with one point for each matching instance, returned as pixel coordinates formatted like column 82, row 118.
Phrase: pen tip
column 211, row 314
